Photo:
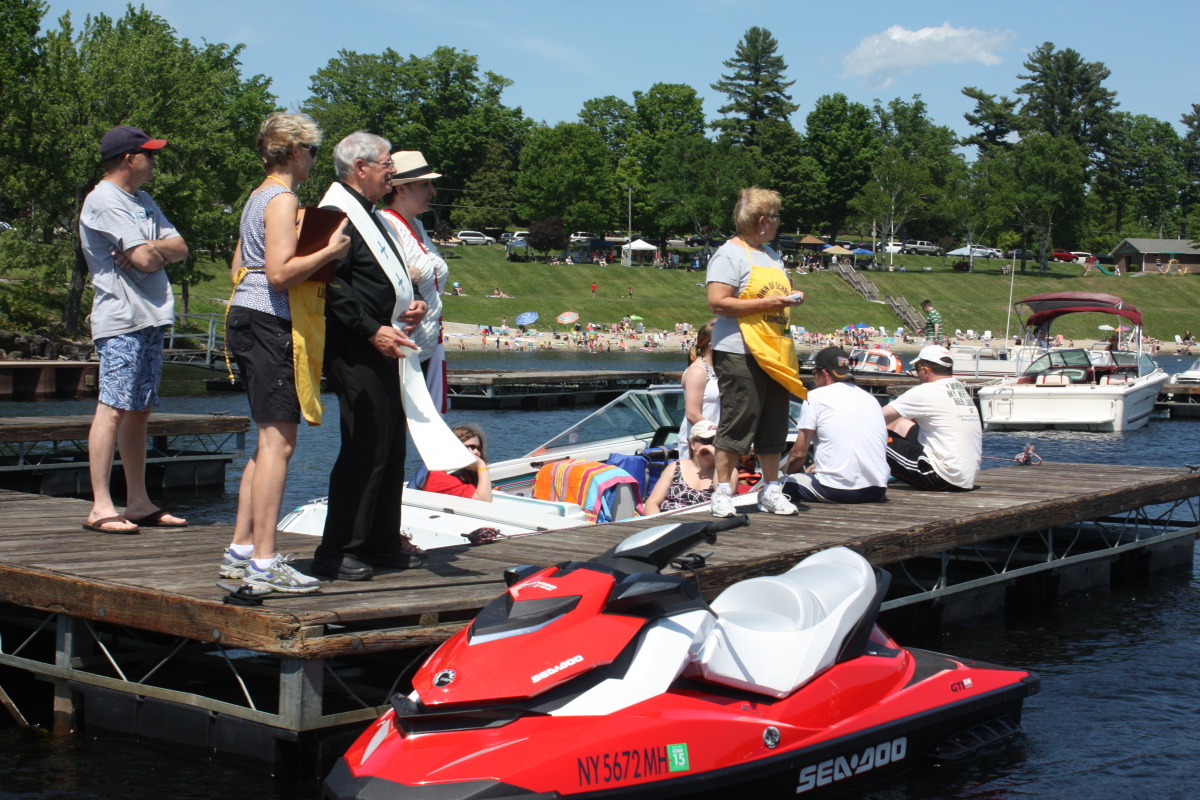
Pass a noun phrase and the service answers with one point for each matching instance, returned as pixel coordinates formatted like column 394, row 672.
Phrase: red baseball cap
column 125, row 138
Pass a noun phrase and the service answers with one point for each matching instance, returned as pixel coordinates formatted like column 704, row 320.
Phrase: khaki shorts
column 754, row 408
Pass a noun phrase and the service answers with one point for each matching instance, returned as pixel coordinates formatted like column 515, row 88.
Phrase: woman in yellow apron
column 259, row 333
column 753, row 354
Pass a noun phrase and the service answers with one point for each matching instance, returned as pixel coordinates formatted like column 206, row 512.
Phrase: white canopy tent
column 637, row 245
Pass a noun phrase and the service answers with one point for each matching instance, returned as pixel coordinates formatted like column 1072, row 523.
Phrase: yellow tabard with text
column 767, row 335
column 307, row 302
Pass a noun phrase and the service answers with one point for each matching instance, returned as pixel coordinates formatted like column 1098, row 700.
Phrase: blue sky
column 559, row 53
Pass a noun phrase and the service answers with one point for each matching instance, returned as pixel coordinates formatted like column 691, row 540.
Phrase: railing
column 850, row 275
column 904, row 310
column 210, row 337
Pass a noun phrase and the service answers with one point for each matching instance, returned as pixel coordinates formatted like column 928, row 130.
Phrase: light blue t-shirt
column 126, row 300
column 731, row 265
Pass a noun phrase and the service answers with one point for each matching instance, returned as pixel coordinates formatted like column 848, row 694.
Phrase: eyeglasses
column 477, row 448
column 706, row 440
column 311, row 148
column 147, row 153
column 771, row 216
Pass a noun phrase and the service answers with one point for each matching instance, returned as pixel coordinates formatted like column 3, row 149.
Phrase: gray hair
column 359, row 144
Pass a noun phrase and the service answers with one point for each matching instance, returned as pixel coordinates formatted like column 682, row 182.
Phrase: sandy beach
column 466, row 337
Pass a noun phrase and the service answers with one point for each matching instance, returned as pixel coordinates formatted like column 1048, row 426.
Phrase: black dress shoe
column 399, row 560
column 350, row 569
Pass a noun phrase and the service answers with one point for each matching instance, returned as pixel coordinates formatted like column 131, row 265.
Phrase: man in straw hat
column 935, row 440
column 409, row 195
column 845, row 424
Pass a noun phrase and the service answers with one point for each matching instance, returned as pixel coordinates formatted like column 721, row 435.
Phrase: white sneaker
column 776, row 502
column 722, row 505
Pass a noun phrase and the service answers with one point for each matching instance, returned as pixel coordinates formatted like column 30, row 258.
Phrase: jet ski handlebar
column 654, row 548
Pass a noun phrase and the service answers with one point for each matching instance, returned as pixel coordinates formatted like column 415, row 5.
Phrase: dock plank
column 164, row 579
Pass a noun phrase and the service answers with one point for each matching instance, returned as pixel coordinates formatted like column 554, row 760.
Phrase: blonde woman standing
column 259, row 335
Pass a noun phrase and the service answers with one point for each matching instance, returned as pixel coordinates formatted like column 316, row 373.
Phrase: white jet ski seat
column 773, row 634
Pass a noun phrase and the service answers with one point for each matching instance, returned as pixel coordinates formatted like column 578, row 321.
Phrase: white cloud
column 881, row 58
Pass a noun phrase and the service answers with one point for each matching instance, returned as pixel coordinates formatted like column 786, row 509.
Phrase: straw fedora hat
column 409, row 166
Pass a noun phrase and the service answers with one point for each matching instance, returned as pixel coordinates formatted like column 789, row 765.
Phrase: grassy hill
column 979, row 300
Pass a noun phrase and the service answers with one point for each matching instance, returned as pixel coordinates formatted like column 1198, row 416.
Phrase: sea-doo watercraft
column 605, row 678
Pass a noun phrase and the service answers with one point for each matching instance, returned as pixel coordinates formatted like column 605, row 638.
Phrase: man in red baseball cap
column 127, row 241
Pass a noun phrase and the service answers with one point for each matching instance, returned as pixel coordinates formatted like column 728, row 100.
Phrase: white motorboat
column 641, row 421
column 989, row 361
column 1075, row 388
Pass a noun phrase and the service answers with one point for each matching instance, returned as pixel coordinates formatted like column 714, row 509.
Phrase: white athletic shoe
column 722, row 505
column 776, row 502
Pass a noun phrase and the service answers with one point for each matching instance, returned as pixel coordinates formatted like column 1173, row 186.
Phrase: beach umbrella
column 1107, row 328
column 862, row 251
column 861, row 325
column 527, row 318
column 567, row 317
column 634, row 317
column 1124, row 329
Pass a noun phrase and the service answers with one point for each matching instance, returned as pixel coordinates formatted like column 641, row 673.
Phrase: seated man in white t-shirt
column 935, row 441
column 846, row 425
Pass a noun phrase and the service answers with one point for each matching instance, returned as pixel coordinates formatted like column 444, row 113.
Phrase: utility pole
column 629, row 218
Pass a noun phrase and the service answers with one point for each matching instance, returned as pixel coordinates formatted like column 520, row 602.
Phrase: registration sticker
column 678, row 755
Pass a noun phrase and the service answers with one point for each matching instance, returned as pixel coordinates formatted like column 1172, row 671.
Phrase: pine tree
column 756, row 88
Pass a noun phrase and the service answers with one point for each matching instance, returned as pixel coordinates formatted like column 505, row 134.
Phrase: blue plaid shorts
column 130, row 369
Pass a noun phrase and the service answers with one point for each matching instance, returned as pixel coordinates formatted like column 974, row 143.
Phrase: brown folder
column 316, row 225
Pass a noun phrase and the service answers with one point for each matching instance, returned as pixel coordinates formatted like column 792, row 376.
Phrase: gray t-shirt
column 126, row 300
column 731, row 264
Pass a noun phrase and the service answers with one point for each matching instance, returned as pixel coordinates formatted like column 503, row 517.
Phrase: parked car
column 473, row 237
column 505, row 237
column 522, row 235
column 582, row 237
column 1081, row 257
column 919, row 247
column 890, row 247
column 786, row 241
column 1062, row 255
column 1018, row 253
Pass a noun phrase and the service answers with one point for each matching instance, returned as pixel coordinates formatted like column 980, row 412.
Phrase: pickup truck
column 917, row 247
column 582, row 237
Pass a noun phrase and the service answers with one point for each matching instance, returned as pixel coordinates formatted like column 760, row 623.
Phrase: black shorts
column 908, row 462
column 754, row 407
column 261, row 344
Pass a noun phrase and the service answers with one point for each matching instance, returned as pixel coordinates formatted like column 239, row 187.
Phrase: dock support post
column 65, row 635
column 301, row 684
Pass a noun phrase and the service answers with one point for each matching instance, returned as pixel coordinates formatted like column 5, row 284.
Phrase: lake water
column 1116, row 718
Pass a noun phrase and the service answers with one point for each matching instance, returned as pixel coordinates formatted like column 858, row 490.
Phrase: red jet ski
column 605, row 678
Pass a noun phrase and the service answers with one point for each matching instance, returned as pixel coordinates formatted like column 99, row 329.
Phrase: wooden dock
column 32, row 379
column 80, row 593
column 48, row 455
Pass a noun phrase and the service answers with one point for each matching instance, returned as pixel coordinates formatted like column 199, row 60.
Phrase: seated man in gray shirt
column 127, row 242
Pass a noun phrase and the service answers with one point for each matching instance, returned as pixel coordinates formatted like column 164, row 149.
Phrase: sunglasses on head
column 704, row 440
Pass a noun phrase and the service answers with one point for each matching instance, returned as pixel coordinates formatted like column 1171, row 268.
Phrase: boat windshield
column 1057, row 359
column 633, row 415
column 1195, row 367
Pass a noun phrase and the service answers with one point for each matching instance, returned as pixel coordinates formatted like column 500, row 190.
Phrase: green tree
column 755, row 87
column 563, row 174
column 488, row 198
column 1143, row 178
column 612, row 118
column 840, row 138
column 134, row 70
column 698, row 193
column 663, row 114
column 895, row 192
column 994, row 117
column 1190, row 156
column 1040, row 181
column 439, row 104
column 1064, row 96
